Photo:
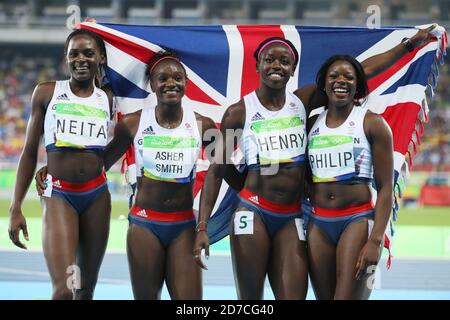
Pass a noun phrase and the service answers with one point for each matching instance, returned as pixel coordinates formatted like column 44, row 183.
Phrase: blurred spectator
column 18, row 77
column 434, row 151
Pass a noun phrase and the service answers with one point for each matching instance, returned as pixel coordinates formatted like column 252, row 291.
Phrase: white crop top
column 76, row 122
column 271, row 137
column 167, row 154
column 342, row 153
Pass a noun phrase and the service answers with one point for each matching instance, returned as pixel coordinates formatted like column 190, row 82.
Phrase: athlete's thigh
column 183, row 275
column 94, row 231
column 59, row 238
column 146, row 261
column 322, row 263
column 288, row 265
column 349, row 247
column 250, row 248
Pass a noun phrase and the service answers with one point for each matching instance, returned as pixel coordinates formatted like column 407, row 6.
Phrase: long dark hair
column 362, row 89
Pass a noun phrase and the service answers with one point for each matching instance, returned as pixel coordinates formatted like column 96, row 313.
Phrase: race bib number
column 300, row 229
column 48, row 186
column 243, row 222
column 280, row 140
column 79, row 125
column 370, row 223
column 331, row 158
column 169, row 158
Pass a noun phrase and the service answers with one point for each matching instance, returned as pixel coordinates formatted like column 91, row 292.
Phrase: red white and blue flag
column 221, row 70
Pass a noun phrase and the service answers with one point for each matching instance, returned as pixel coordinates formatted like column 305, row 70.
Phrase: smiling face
column 168, row 81
column 276, row 65
column 340, row 83
column 83, row 57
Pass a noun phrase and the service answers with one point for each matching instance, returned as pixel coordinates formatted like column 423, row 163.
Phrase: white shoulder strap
column 316, row 112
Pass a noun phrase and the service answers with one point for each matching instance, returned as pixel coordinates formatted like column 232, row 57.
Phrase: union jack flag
column 221, row 70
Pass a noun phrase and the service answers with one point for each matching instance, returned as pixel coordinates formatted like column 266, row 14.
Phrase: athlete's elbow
column 369, row 72
column 29, row 154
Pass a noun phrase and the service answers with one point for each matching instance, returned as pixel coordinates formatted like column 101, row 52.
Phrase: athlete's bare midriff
column 164, row 196
column 284, row 187
column 339, row 195
column 75, row 166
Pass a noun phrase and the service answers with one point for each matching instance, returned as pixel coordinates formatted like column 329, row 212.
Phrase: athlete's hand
column 369, row 256
column 201, row 242
column 17, row 222
column 40, row 177
column 89, row 19
column 422, row 36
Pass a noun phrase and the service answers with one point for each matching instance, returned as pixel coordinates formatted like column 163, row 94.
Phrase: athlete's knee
column 251, row 295
column 187, row 294
column 250, row 290
column 86, row 293
column 86, row 289
column 62, row 293
column 147, row 293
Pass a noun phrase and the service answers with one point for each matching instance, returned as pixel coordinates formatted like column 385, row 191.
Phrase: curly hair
column 362, row 88
column 156, row 58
